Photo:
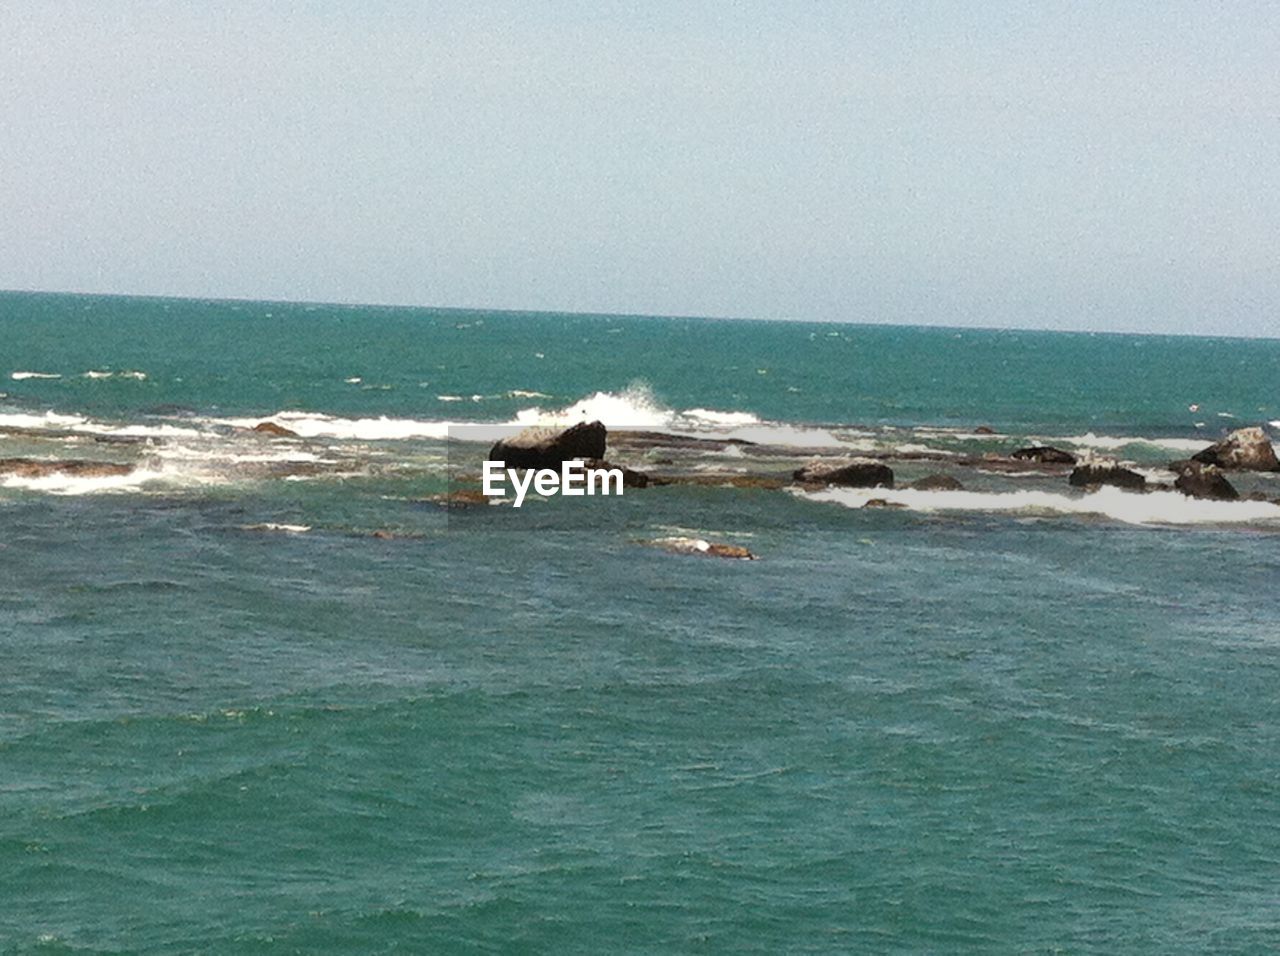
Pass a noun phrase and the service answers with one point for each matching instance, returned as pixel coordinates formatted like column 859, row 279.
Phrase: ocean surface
column 268, row 695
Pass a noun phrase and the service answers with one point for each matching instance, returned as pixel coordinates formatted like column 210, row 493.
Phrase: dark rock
column 79, row 468
column 1107, row 473
column 725, row 480
column 1045, row 455
column 276, row 431
column 883, row 503
column 937, row 483
column 708, row 549
column 984, row 430
column 549, row 448
column 457, row 500
column 630, row 477
column 1198, row 480
column 1246, row 449
column 859, row 473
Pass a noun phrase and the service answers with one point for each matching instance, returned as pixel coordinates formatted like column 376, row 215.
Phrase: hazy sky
column 1062, row 165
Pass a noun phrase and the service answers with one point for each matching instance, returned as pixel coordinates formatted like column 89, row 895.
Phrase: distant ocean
column 268, row 694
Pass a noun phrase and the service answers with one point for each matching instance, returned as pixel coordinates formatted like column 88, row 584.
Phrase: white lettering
column 605, row 476
column 546, row 482
column 571, row 471
column 493, row 478
column 522, row 487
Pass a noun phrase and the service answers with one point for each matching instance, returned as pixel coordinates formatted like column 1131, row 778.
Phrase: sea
column 277, row 694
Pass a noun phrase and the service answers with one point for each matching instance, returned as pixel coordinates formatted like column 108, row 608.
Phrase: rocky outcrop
column 859, row 473
column 77, row 468
column 883, row 503
column 937, row 483
column 1246, row 449
column 1045, row 455
column 984, row 430
column 550, row 447
column 1102, row 472
column 1198, row 480
column 274, row 430
column 630, row 477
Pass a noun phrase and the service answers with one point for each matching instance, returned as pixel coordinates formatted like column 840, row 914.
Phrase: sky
column 1100, row 166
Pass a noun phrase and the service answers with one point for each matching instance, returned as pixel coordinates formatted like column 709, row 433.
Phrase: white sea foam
column 21, row 376
column 63, row 484
column 105, row 373
column 525, row 393
column 277, row 526
column 315, row 425
column 1112, row 442
column 713, row 417
column 1154, row 508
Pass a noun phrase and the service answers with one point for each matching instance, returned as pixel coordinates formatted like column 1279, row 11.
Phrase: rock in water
column 550, row 447
column 276, row 431
column 859, row 473
column 1247, row 449
column 1198, row 480
column 706, row 548
column 937, row 483
column 1045, row 455
column 630, row 477
column 1101, row 472
column 78, row 468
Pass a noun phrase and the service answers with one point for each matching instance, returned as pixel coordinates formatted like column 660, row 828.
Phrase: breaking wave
column 1154, row 508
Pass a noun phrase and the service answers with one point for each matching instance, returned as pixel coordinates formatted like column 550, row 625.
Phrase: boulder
column 883, row 503
column 859, row 473
column 1099, row 472
column 1198, row 480
column 937, row 483
column 1045, row 455
column 1246, row 449
column 274, row 430
column 984, row 430
column 550, row 447
column 79, row 468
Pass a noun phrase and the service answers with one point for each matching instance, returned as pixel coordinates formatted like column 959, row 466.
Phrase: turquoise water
column 967, row 729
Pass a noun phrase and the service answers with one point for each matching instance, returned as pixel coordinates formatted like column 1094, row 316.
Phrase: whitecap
column 1154, row 508
column 21, row 376
column 1111, row 442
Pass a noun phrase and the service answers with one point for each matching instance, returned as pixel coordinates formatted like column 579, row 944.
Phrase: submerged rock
column 630, row 477
column 883, row 503
column 858, row 473
column 75, row 467
column 550, row 447
column 698, row 546
column 1102, row 472
column 722, row 480
column 276, row 431
column 984, row 430
column 1198, row 480
column 1246, row 449
column 1045, row 455
column 457, row 500
column 937, row 483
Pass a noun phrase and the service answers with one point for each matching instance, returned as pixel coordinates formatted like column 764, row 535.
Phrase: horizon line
column 628, row 315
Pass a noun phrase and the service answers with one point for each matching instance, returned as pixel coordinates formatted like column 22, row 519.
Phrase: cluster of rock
column 72, row 467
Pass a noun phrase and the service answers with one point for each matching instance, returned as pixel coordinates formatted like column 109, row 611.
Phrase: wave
column 22, row 376
column 102, row 373
column 1113, row 442
column 1154, row 508
column 53, row 421
column 63, row 484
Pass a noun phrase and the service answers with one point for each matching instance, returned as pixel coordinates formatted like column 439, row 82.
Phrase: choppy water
column 982, row 723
